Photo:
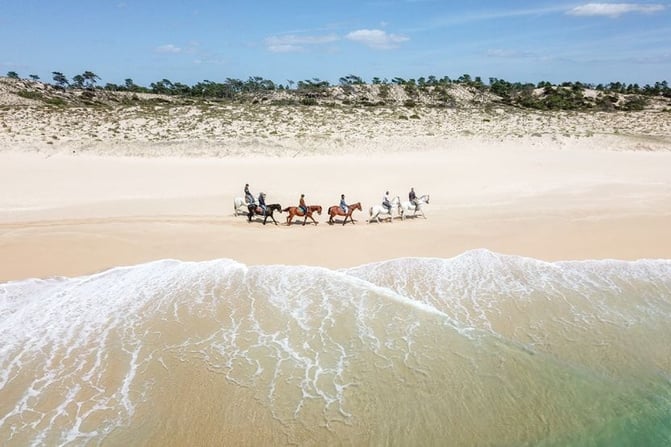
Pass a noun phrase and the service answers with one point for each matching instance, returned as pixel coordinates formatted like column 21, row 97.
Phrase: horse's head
column 356, row 206
column 275, row 207
column 424, row 198
column 317, row 208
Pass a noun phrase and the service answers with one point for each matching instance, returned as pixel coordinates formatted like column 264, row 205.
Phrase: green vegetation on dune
column 83, row 89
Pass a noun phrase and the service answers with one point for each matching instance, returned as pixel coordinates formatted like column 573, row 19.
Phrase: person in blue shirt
column 262, row 203
column 386, row 202
column 343, row 205
column 301, row 204
column 249, row 197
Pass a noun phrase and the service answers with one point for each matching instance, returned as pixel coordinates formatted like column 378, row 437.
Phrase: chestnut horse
column 296, row 211
column 256, row 210
column 335, row 210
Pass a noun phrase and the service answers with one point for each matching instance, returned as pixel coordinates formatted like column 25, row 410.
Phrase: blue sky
column 190, row 41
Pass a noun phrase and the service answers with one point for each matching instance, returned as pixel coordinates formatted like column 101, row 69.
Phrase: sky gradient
column 190, row 41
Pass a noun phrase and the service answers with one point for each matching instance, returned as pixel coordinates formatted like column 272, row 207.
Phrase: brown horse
column 256, row 210
column 335, row 210
column 296, row 211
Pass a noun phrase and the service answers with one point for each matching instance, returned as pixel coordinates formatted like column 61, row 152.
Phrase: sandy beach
column 551, row 197
column 390, row 333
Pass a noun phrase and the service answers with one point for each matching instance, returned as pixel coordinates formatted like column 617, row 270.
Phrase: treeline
column 543, row 95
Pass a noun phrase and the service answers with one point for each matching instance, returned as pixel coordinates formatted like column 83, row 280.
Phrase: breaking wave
column 480, row 349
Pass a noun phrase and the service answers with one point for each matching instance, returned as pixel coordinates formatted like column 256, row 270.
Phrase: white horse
column 240, row 206
column 377, row 211
column 408, row 206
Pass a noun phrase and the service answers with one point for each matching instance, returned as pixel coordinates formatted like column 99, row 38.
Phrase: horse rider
column 262, row 203
column 343, row 205
column 413, row 198
column 249, row 197
column 302, row 206
column 386, row 202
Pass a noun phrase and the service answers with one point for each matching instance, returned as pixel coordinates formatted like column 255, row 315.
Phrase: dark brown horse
column 256, row 210
column 335, row 210
column 296, row 211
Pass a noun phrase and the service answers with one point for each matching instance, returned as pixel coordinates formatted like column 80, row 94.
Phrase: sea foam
column 332, row 354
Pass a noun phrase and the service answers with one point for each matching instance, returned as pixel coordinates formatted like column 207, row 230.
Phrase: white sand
column 552, row 198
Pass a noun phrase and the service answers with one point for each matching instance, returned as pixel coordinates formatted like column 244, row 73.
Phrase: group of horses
column 376, row 212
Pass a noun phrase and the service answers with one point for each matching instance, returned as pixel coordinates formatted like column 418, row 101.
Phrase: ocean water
column 478, row 350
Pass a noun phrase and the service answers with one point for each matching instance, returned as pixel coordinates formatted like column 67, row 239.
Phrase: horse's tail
column 370, row 211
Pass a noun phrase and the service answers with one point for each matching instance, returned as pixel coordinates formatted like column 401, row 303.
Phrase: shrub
column 55, row 102
column 384, row 91
column 29, row 94
column 635, row 104
column 308, row 101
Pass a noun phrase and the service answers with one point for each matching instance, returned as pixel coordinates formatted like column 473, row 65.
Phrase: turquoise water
column 481, row 349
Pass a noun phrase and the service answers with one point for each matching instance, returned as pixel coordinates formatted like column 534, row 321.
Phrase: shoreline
column 83, row 248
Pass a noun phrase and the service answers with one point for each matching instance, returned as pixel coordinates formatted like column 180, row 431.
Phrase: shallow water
column 478, row 350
